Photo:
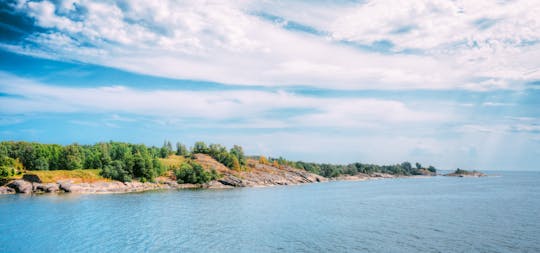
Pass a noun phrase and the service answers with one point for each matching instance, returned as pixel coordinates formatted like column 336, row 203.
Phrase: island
column 465, row 173
column 117, row 167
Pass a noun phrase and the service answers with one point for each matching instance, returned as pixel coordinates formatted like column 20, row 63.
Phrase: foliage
column 193, row 173
column 6, row 171
column 125, row 161
column 461, row 172
column 166, row 149
column 233, row 159
column 181, row 149
column 116, row 160
column 263, row 160
column 333, row 170
column 9, row 167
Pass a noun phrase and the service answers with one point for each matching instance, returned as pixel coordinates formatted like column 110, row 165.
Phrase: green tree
column 193, row 173
column 200, row 147
column 238, row 152
column 72, row 157
column 181, row 149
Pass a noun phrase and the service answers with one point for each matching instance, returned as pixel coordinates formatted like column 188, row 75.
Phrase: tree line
column 126, row 161
column 117, row 160
column 334, row 170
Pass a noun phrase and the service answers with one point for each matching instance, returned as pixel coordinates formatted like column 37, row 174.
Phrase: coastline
column 20, row 186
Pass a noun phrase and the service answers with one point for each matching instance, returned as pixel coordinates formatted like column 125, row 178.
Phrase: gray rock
column 232, row 181
column 50, row 187
column 216, row 185
column 37, row 187
column 65, row 185
column 6, row 190
column 21, row 186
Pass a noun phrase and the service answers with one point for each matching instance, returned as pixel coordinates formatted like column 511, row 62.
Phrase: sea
column 499, row 213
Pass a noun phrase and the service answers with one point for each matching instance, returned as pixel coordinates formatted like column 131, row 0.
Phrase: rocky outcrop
column 217, row 185
column 231, row 180
column 257, row 174
column 50, row 187
column 6, row 190
column 21, row 186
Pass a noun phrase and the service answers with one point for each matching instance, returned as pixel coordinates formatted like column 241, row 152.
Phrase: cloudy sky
column 447, row 83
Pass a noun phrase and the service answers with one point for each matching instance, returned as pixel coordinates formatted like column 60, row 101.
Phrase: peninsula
column 116, row 167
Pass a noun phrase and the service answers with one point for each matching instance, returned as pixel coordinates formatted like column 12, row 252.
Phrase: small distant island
column 465, row 173
column 118, row 167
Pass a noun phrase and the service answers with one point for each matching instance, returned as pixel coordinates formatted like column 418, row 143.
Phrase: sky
column 445, row 83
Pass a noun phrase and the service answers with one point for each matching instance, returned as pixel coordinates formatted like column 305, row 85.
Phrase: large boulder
column 69, row 186
column 232, row 181
column 214, row 184
column 21, row 186
column 50, row 187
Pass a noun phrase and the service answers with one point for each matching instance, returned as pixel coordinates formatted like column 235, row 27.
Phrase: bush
column 193, row 173
column 116, row 171
column 6, row 171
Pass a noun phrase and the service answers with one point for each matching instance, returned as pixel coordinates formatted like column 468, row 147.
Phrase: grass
column 78, row 176
column 173, row 161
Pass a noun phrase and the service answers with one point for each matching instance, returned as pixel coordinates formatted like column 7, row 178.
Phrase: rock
column 21, row 186
column 216, row 185
column 37, row 187
column 6, row 190
column 50, row 187
column 31, row 178
column 232, row 181
column 65, row 185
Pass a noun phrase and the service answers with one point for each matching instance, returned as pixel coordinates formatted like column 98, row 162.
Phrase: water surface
column 441, row 214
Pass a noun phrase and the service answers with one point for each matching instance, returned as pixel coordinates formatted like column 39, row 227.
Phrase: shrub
column 193, row 173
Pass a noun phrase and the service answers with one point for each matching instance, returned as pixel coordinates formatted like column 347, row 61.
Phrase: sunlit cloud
column 456, row 45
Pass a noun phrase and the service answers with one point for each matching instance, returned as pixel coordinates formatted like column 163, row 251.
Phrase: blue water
column 493, row 214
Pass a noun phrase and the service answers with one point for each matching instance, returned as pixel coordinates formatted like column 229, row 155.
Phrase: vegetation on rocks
column 233, row 159
column 126, row 162
column 193, row 173
column 335, row 170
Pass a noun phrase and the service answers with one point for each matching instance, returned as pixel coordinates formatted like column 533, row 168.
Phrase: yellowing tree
column 263, row 160
column 236, row 164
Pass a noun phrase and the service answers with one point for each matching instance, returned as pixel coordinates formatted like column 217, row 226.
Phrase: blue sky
column 447, row 83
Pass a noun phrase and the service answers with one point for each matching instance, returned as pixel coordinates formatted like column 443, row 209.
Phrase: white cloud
column 495, row 40
column 225, row 42
column 247, row 106
column 492, row 104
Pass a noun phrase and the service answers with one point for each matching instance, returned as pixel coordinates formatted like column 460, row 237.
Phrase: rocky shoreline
column 67, row 186
column 227, row 182
column 259, row 175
